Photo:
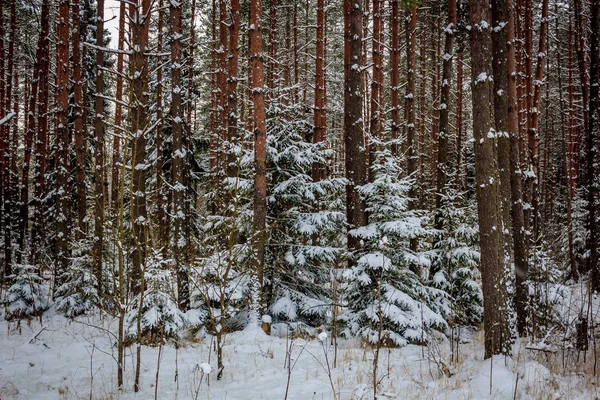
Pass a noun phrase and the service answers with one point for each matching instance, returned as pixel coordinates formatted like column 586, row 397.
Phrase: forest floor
column 75, row 359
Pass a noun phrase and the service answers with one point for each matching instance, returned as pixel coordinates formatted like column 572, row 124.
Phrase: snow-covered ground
column 75, row 359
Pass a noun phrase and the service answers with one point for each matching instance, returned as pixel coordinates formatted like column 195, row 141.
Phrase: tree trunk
column 376, row 85
column 178, row 157
column 395, row 73
column 99, row 150
column 489, row 208
column 41, row 143
column 460, row 179
column 232, row 87
column 594, row 134
column 569, row 162
column 409, row 101
column 506, row 14
column 533, row 124
column 62, row 142
column 565, row 149
column 442, row 156
column 260, row 140
column 118, row 112
column 500, row 60
column 320, row 124
column 139, row 24
column 161, row 190
column 78, row 110
column 356, row 162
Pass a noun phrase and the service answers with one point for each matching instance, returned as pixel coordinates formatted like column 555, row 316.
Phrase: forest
column 299, row 199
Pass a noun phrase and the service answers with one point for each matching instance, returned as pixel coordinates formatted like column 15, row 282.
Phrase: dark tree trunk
column 442, row 156
column 138, row 115
column 356, row 162
column 489, row 207
column 594, row 134
column 62, row 142
column 178, row 157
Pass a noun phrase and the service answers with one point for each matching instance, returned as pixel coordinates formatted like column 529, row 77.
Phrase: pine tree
column 386, row 285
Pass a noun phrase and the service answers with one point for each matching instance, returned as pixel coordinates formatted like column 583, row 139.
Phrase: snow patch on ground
column 70, row 358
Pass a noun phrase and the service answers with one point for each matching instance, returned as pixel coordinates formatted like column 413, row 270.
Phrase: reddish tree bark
column 395, row 72
column 232, row 88
column 356, row 161
column 41, row 144
column 409, row 100
column 489, row 208
column 260, row 140
column 320, row 123
column 99, row 181
column 460, row 178
column 78, row 111
column 376, row 85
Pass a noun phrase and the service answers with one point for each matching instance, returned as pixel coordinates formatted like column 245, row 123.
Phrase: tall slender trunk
column 594, row 134
column 14, row 173
column 62, row 141
column 500, row 60
column 161, row 189
column 260, row 140
column 178, row 157
column 356, row 162
column 118, row 112
column 4, row 217
column 508, row 108
column 409, row 101
column 395, row 73
column 29, row 138
column 232, row 88
column 41, row 145
column 320, row 124
column 533, row 123
column 489, row 208
column 139, row 17
column 78, row 110
column 581, row 35
column 23, row 221
column 376, row 85
column 222, row 88
column 570, row 151
column 459, row 110
column 99, row 198
column 565, row 149
column 9, row 155
column 447, row 73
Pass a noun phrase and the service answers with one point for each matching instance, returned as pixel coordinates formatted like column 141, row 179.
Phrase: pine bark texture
column 356, row 161
column 489, row 207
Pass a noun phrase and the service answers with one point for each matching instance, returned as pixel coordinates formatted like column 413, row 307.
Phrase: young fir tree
column 456, row 259
column 385, row 289
column 28, row 296
column 304, row 241
column 79, row 293
column 160, row 316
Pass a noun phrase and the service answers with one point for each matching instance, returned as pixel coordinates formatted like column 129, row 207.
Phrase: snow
column 62, row 359
column 206, row 368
